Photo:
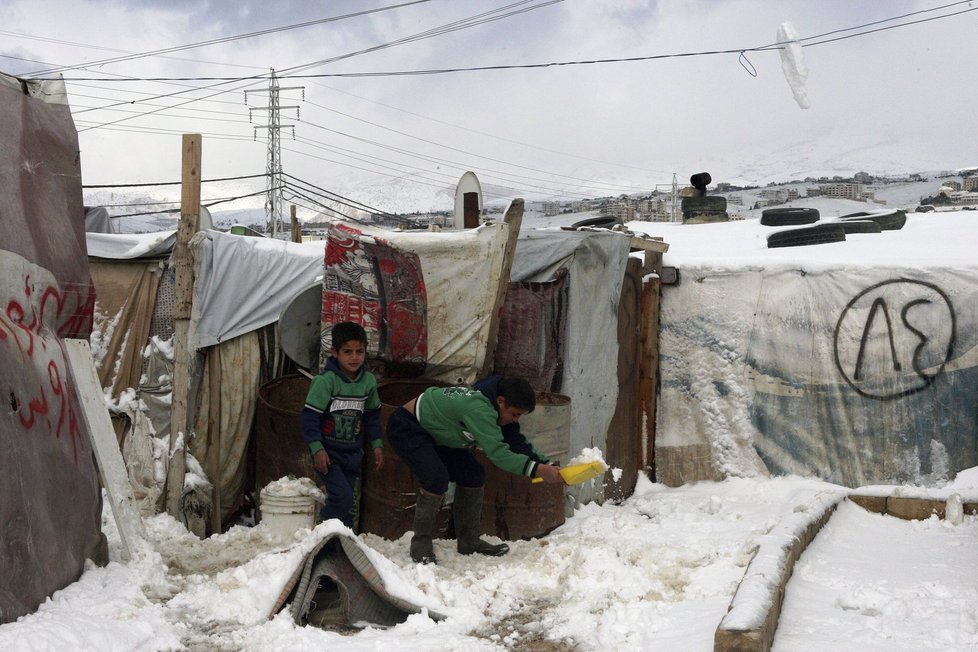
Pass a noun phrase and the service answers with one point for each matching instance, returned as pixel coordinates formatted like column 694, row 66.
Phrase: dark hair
column 347, row 331
column 518, row 393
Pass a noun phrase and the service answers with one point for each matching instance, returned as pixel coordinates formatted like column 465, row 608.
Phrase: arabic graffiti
column 895, row 338
column 31, row 328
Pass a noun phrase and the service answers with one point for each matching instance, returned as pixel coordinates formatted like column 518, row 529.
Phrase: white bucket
column 284, row 515
column 548, row 426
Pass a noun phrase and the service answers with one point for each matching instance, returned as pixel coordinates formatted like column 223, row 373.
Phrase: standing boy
column 433, row 435
column 342, row 407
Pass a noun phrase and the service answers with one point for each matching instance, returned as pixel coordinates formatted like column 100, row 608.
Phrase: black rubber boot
column 467, row 513
column 425, row 514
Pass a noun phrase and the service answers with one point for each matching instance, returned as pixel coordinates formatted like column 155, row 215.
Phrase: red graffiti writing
column 34, row 330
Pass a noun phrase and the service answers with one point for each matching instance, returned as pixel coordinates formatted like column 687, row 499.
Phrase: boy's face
column 350, row 356
column 507, row 413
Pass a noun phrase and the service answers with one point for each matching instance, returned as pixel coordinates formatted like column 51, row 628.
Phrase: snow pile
column 764, row 576
column 289, row 486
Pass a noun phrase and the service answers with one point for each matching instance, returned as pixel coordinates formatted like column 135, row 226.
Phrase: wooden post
column 514, row 218
column 182, row 303
column 648, row 369
column 296, row 230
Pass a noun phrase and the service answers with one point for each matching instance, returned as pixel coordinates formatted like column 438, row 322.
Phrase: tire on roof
column 788, row 216
column 820, row 234
column 860, row 226
column 704, row 204
column 892, row 220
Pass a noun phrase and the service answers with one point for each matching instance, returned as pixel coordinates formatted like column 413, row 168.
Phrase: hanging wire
column 746, row 64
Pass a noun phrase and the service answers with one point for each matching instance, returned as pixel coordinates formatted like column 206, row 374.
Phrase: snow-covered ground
column 656, row 572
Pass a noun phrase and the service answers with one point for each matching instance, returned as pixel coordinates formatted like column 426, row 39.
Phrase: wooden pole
column 182, row 303
column 296, row 231
column 514, row 218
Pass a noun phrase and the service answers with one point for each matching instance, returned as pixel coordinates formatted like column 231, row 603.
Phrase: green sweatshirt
column 460, row 417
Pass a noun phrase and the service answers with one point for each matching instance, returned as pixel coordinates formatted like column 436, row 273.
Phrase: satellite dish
column 468, row 202
column 206, row 221
column 299, row 327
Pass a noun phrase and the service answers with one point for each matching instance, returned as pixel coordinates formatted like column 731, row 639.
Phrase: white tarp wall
column 855, row 376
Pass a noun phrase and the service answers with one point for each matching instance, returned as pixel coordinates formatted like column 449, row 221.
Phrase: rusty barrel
column 279, row 449
column 514, row 507
column 388, row 495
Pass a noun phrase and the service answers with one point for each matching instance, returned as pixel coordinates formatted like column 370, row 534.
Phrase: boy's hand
column 549, row 473
column 321, row 461
column 378, row 458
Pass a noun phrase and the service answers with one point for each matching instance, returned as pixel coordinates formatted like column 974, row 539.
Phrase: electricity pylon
column 274, row 204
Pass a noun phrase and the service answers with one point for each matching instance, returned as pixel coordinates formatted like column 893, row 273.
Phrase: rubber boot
column 467, row 513
column 425, row 515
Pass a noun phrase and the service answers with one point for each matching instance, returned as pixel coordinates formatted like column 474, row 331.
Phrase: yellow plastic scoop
column 578, row 473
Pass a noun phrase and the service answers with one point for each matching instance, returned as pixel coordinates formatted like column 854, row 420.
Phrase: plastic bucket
column 283, row 516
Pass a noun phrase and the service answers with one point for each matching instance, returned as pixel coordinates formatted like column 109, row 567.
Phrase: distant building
column 953, row 185
column 735, row 199
column 960, row 197
column 551, row 208
column 813, row 192
column 970, row 183
column 842, row 190
column 622, row 211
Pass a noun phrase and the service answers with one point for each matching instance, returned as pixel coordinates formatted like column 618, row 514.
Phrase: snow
column 657, row 571
column 793, row 63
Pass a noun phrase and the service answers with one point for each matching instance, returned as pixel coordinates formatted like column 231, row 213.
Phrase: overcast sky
column 886, row 102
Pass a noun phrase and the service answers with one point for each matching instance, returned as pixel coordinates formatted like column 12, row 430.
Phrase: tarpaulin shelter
column 243, row 284
column 50, row 502
column 853, row 361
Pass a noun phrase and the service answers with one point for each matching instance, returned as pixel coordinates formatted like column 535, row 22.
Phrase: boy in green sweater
column 433, row 435
column 342, row 407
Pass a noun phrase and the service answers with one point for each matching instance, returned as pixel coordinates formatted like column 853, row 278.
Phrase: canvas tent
column 243, row 284
column 50, row 502
column 854, row 361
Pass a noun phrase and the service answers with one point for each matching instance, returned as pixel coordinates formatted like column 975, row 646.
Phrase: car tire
column 821, row 234
column 704, row 204
column 788, row 216
column 892, row 220
column 860, row 226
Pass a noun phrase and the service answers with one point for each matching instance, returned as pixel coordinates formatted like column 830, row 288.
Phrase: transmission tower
column 274, row 204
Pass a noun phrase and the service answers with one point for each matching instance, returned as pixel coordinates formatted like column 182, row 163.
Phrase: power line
column 170, row 183
column 809, row 41
column 177, row 210
column 226, row 39
column 457, row 25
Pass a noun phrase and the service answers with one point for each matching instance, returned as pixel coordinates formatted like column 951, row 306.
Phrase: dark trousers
column 342, row 495
column 434, row 465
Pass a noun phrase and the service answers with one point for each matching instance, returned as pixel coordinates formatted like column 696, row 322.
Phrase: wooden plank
column 514, row 218
column 649, row 244
column 112, row 468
